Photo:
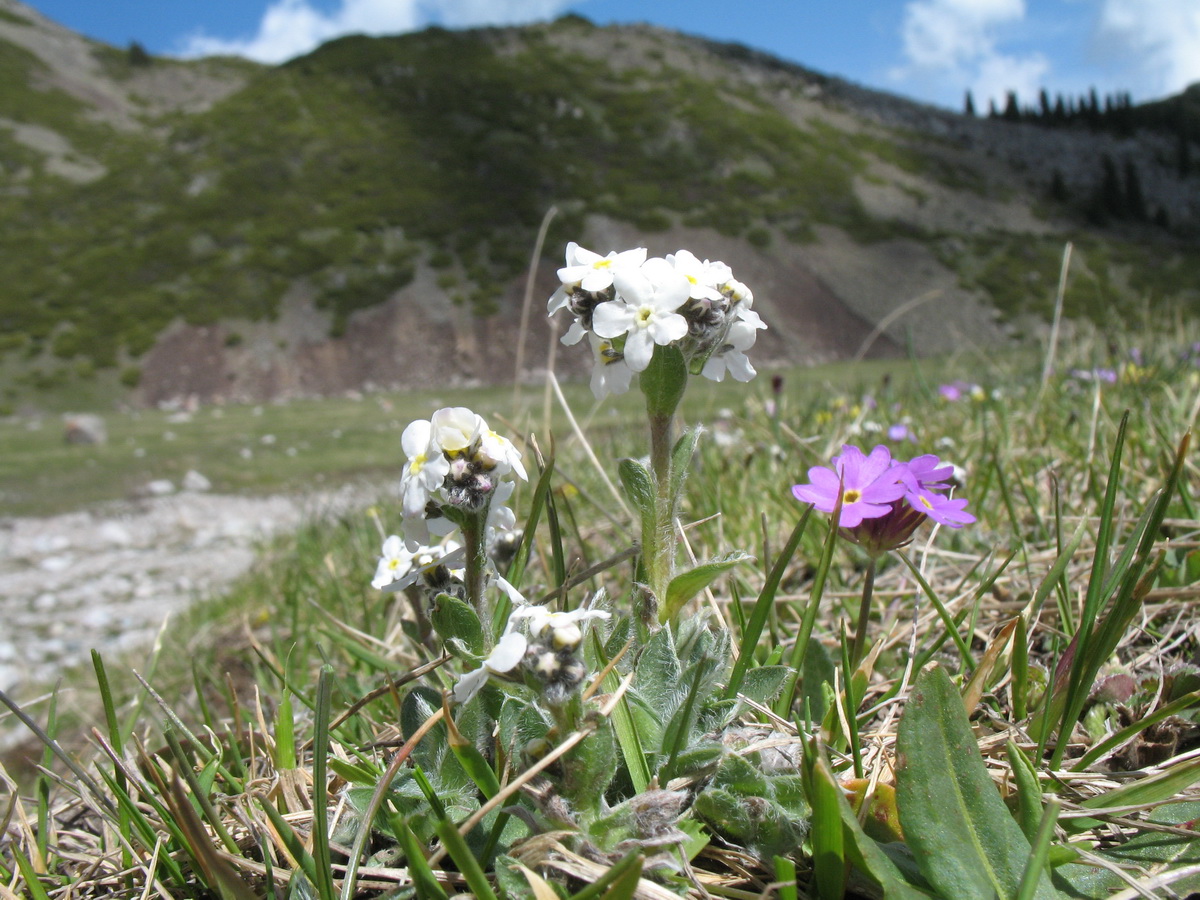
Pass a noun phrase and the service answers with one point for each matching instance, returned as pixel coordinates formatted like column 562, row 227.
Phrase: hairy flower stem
column 659, row 548
column 474, row 530
column 864, row 617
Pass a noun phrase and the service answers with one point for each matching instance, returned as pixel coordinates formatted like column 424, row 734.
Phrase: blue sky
column 931, row 50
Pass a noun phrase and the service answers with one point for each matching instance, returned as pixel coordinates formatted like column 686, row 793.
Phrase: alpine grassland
column 912, row 628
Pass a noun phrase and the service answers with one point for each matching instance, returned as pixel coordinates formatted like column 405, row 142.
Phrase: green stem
column 864, row 617
column 660, row 559
column 474, row 538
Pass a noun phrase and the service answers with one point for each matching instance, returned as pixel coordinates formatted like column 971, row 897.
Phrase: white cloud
column 291, row 27
column 951, row 45
column 1159, row 38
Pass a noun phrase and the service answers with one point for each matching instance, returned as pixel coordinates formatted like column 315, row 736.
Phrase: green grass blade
column 425, row 882
column 291, row 841
column 826, row 836
column 620, row 882
column 748, row 641
column 322, row 859
column 43, row 781
column 964, row 652
column 1038, row 858
column 33, row 884
column 1117, row 738
column 624, row 725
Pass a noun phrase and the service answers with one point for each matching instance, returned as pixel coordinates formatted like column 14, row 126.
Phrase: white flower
column 704, row 277
column 731, row 356
column 592, row 272
column 394, row 563
column 455, row 428
column 564, row 627
column 574, row 334
column 610, row 373
column 500, row 452
column 646, row 313
column 737, row 292
column 425, row 559
column 501, row 518
column 426, row 469
column 506, row 656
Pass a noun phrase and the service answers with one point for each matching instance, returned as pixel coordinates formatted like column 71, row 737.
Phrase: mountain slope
column 364, row 214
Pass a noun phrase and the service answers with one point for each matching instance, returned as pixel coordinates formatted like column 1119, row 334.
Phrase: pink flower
column 868, row 485
column 883, row 499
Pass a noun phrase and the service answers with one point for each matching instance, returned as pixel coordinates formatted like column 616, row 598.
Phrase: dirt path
column 106, row 578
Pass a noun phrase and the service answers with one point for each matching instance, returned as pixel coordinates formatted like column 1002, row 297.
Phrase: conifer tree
column 1134, row 201
column 1012, row 111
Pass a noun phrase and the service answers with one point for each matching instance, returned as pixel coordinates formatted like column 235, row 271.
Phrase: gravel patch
column 107, row 578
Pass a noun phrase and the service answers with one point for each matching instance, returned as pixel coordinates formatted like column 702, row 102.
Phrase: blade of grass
column 1040, row 851
column 43, row 784
column 320, row 803
column 29, row 875
column 964, row 652
column 454, row 843
column 762, row 608
column 425, row 882
column 1117, row 738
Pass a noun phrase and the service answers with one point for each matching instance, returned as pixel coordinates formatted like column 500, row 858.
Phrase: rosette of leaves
column 764, row 811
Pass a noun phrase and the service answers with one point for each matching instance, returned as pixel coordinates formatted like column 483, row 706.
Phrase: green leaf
column 686, row 585
column 963, row 839
column 455, row 619
column 664, row 381
column 818, row 679
column 1029, row 791
column 757, row 823
column 639, row 485
column 681, row 458
column 659, row 673
column 762, row 685
column 858, row 848
column 1151, row 852
column 827, row 837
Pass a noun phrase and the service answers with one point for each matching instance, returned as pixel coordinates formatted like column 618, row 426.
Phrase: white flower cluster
column 552, row 662
column 626, row 304
column 401, row 565
column 455, row 459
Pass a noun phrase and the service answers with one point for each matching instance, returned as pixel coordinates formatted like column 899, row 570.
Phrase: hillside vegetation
column 414, row 171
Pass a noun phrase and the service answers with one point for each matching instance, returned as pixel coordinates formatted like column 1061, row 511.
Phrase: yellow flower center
column 602, row 264
column 644, row 315
column 851, row 496
column 925, row 502
column 417, row 464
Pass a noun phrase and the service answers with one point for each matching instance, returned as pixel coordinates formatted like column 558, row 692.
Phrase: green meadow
column 1020, row 722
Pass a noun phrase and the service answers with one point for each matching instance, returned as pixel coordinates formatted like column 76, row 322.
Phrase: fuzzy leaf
column 681, row 458
column 762, row 685
column 686, row 585
column 453, row 618
column 639, row 485
column 664, row 381
column 756, row 823
column 659, row 673
column 962, row 836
